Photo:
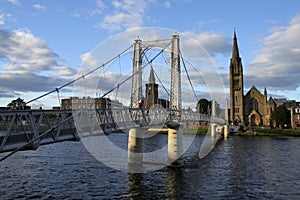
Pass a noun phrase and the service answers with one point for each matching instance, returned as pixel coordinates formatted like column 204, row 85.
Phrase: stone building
column 252, row 109
column 85, row 102
column 295, row 117
column 151, row 94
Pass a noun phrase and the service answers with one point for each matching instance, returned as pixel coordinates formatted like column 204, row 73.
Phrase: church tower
column 236, row 85
column 151, row 96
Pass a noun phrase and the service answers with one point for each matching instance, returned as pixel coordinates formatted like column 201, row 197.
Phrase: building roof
column 253, row 89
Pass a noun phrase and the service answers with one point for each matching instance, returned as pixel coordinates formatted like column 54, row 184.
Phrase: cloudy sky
column 43, row 44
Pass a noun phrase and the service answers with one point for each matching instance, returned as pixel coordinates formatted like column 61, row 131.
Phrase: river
column 239, row 168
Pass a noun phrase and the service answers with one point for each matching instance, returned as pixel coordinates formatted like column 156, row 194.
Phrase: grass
column 186, row 131
column 272, row 132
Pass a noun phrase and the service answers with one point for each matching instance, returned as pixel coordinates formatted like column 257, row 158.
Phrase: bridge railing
column 149, row 116
column 22, row 126
column 191, row 116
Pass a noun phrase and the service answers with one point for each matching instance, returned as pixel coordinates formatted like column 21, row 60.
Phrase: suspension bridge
column 28, row 129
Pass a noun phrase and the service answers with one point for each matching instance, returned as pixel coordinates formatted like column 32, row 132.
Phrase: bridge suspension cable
column 128, row 78
column 188, row 76
column 158, row 77
column 81, row 77
column 70, row 117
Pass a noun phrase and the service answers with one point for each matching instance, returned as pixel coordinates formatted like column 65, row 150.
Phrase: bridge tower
column 175, row 98
column 136, row 90
column 175, row 138
column 135, row 138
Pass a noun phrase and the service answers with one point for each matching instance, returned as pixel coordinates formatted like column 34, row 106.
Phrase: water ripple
column 240, row 168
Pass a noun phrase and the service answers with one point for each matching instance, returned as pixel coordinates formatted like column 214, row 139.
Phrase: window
column 236, row 69
column 254, row 104
column 236, row 83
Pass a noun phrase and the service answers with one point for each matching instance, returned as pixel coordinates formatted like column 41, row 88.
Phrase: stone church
column 151, row 94
column 252, row 109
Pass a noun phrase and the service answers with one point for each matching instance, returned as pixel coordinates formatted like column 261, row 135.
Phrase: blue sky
column 44, row 43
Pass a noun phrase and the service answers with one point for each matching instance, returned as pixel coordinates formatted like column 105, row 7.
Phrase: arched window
column 254, row 104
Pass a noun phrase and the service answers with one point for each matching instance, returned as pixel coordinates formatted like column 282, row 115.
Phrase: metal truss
column 20, row 127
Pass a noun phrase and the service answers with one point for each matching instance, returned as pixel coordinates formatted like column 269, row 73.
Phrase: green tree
column 17, row 104
column 203, row 106
column 281, row 116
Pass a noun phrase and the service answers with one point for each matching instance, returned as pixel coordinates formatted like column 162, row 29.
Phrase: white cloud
column 167, row 4
column 39, row 7
column 2, row 19
column 126, row 14
column 28, row 65
column 15, row 2
column 100, row 7
column 277, row 64
column 96, row 9
column 208, row 22
column 28, row 82
column 89, row 60
column 213, row 43
column 7, row 93
column 64, row 71
column 23, row 51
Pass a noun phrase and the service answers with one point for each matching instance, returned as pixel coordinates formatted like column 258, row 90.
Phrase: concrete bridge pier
column 226, row 126
column 213, row 130
column 135, row 149
column 226, row 131
column 175, row 144
column 213, row 125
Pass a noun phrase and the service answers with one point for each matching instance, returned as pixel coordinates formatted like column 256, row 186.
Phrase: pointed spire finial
column 151, row 76
column 234, row 31
column 235, row 49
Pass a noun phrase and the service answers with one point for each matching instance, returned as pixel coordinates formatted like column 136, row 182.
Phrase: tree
column 281, row 116
column 203, row 106
column 17, row 104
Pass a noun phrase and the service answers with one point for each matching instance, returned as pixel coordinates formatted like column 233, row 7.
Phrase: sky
column 45, row 43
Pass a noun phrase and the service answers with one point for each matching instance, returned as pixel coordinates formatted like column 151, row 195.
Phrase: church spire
column 235, row 49
column 236, row 85
column 265, row 94
column 151, row 76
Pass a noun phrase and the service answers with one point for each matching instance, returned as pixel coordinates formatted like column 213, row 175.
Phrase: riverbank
column 271, row 132
column 186, row 131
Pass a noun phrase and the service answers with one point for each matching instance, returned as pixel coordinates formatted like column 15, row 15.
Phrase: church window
column 236, row 83
column 236, row 69
column 254, row 104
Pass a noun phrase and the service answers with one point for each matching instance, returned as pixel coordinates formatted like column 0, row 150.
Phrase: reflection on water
column 239, row 168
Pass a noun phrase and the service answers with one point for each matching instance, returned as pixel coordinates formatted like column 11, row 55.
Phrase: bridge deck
column 39, row 127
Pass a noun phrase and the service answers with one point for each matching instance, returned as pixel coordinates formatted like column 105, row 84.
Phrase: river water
column 239, row 168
